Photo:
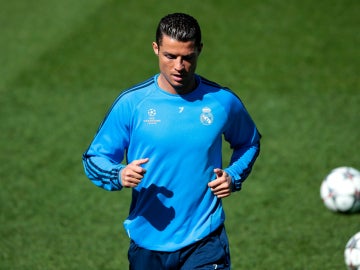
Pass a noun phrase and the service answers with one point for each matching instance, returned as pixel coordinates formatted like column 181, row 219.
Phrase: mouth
column 178, row 77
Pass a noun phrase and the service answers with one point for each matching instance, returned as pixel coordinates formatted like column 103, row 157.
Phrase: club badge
column 206, row 117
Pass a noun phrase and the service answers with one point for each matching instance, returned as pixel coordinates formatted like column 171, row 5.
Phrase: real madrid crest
column 206, row 117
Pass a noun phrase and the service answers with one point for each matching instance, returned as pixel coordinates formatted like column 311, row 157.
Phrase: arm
column 244, row 140
column 102, row 172
column 241, row 164
column 102, row 160
column 230, row 179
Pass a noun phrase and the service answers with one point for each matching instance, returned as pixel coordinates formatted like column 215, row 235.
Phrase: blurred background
column 295, row 64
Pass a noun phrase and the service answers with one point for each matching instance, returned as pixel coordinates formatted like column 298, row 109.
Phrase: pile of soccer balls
column 340, row 192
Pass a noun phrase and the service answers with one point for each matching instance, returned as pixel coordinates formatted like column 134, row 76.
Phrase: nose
column 179, row 64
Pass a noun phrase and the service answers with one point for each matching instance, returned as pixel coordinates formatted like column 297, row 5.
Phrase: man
column 170, row 129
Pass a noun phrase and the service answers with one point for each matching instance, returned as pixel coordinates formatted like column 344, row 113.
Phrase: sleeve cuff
column 236, row 181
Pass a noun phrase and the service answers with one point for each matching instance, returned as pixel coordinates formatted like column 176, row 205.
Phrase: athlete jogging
column 169, row 128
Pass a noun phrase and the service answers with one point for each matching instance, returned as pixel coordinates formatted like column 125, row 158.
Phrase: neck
column 179, row 90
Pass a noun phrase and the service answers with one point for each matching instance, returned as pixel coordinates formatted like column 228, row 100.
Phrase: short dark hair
column 179, row 26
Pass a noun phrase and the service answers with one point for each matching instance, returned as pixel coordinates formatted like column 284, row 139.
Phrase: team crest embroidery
column 206, row 117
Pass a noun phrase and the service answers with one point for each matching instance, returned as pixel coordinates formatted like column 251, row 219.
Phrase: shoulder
column 137, row 90
column 130, row 98
column 134, row 94
column 220, row 92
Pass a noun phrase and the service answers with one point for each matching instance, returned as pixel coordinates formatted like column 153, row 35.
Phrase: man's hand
column 222, row 185
column 132, row 174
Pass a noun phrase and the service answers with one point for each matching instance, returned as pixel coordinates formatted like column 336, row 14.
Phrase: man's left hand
column 222, row 185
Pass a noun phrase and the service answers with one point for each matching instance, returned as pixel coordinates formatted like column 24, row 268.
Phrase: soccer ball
column 340, row 190
column 352, row 252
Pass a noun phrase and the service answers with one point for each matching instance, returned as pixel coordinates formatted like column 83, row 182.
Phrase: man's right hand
column 133, row 173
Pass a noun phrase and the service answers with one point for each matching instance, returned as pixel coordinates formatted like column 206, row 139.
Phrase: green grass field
column 296, row 65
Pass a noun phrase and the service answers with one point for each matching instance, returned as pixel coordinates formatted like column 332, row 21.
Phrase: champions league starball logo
column 151, row 117
column 151, row 112
column 206, row 117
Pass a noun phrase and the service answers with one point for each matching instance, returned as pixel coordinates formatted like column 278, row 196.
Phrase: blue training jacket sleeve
column 102, row 160
column 244, row 140
column 102, row 172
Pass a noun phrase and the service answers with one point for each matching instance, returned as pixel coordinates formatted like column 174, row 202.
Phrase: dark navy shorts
column 212, row 252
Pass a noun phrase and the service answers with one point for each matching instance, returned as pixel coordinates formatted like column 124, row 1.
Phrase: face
column 177, row 63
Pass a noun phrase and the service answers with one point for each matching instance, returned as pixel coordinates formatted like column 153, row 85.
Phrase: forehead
column 174, row 46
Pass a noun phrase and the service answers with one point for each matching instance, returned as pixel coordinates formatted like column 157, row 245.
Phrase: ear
column 155, row 48
column 200, row 48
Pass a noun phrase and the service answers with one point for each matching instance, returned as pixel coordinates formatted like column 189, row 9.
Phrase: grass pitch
column 295, row 64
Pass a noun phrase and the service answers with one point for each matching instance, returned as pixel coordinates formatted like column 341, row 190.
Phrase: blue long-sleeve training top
column 181, row 135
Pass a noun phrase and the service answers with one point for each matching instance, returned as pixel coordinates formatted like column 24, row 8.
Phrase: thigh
column 209, row 253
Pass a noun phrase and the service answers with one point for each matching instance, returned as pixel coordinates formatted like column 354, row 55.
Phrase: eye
column 188, row 57
column 170, row 56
